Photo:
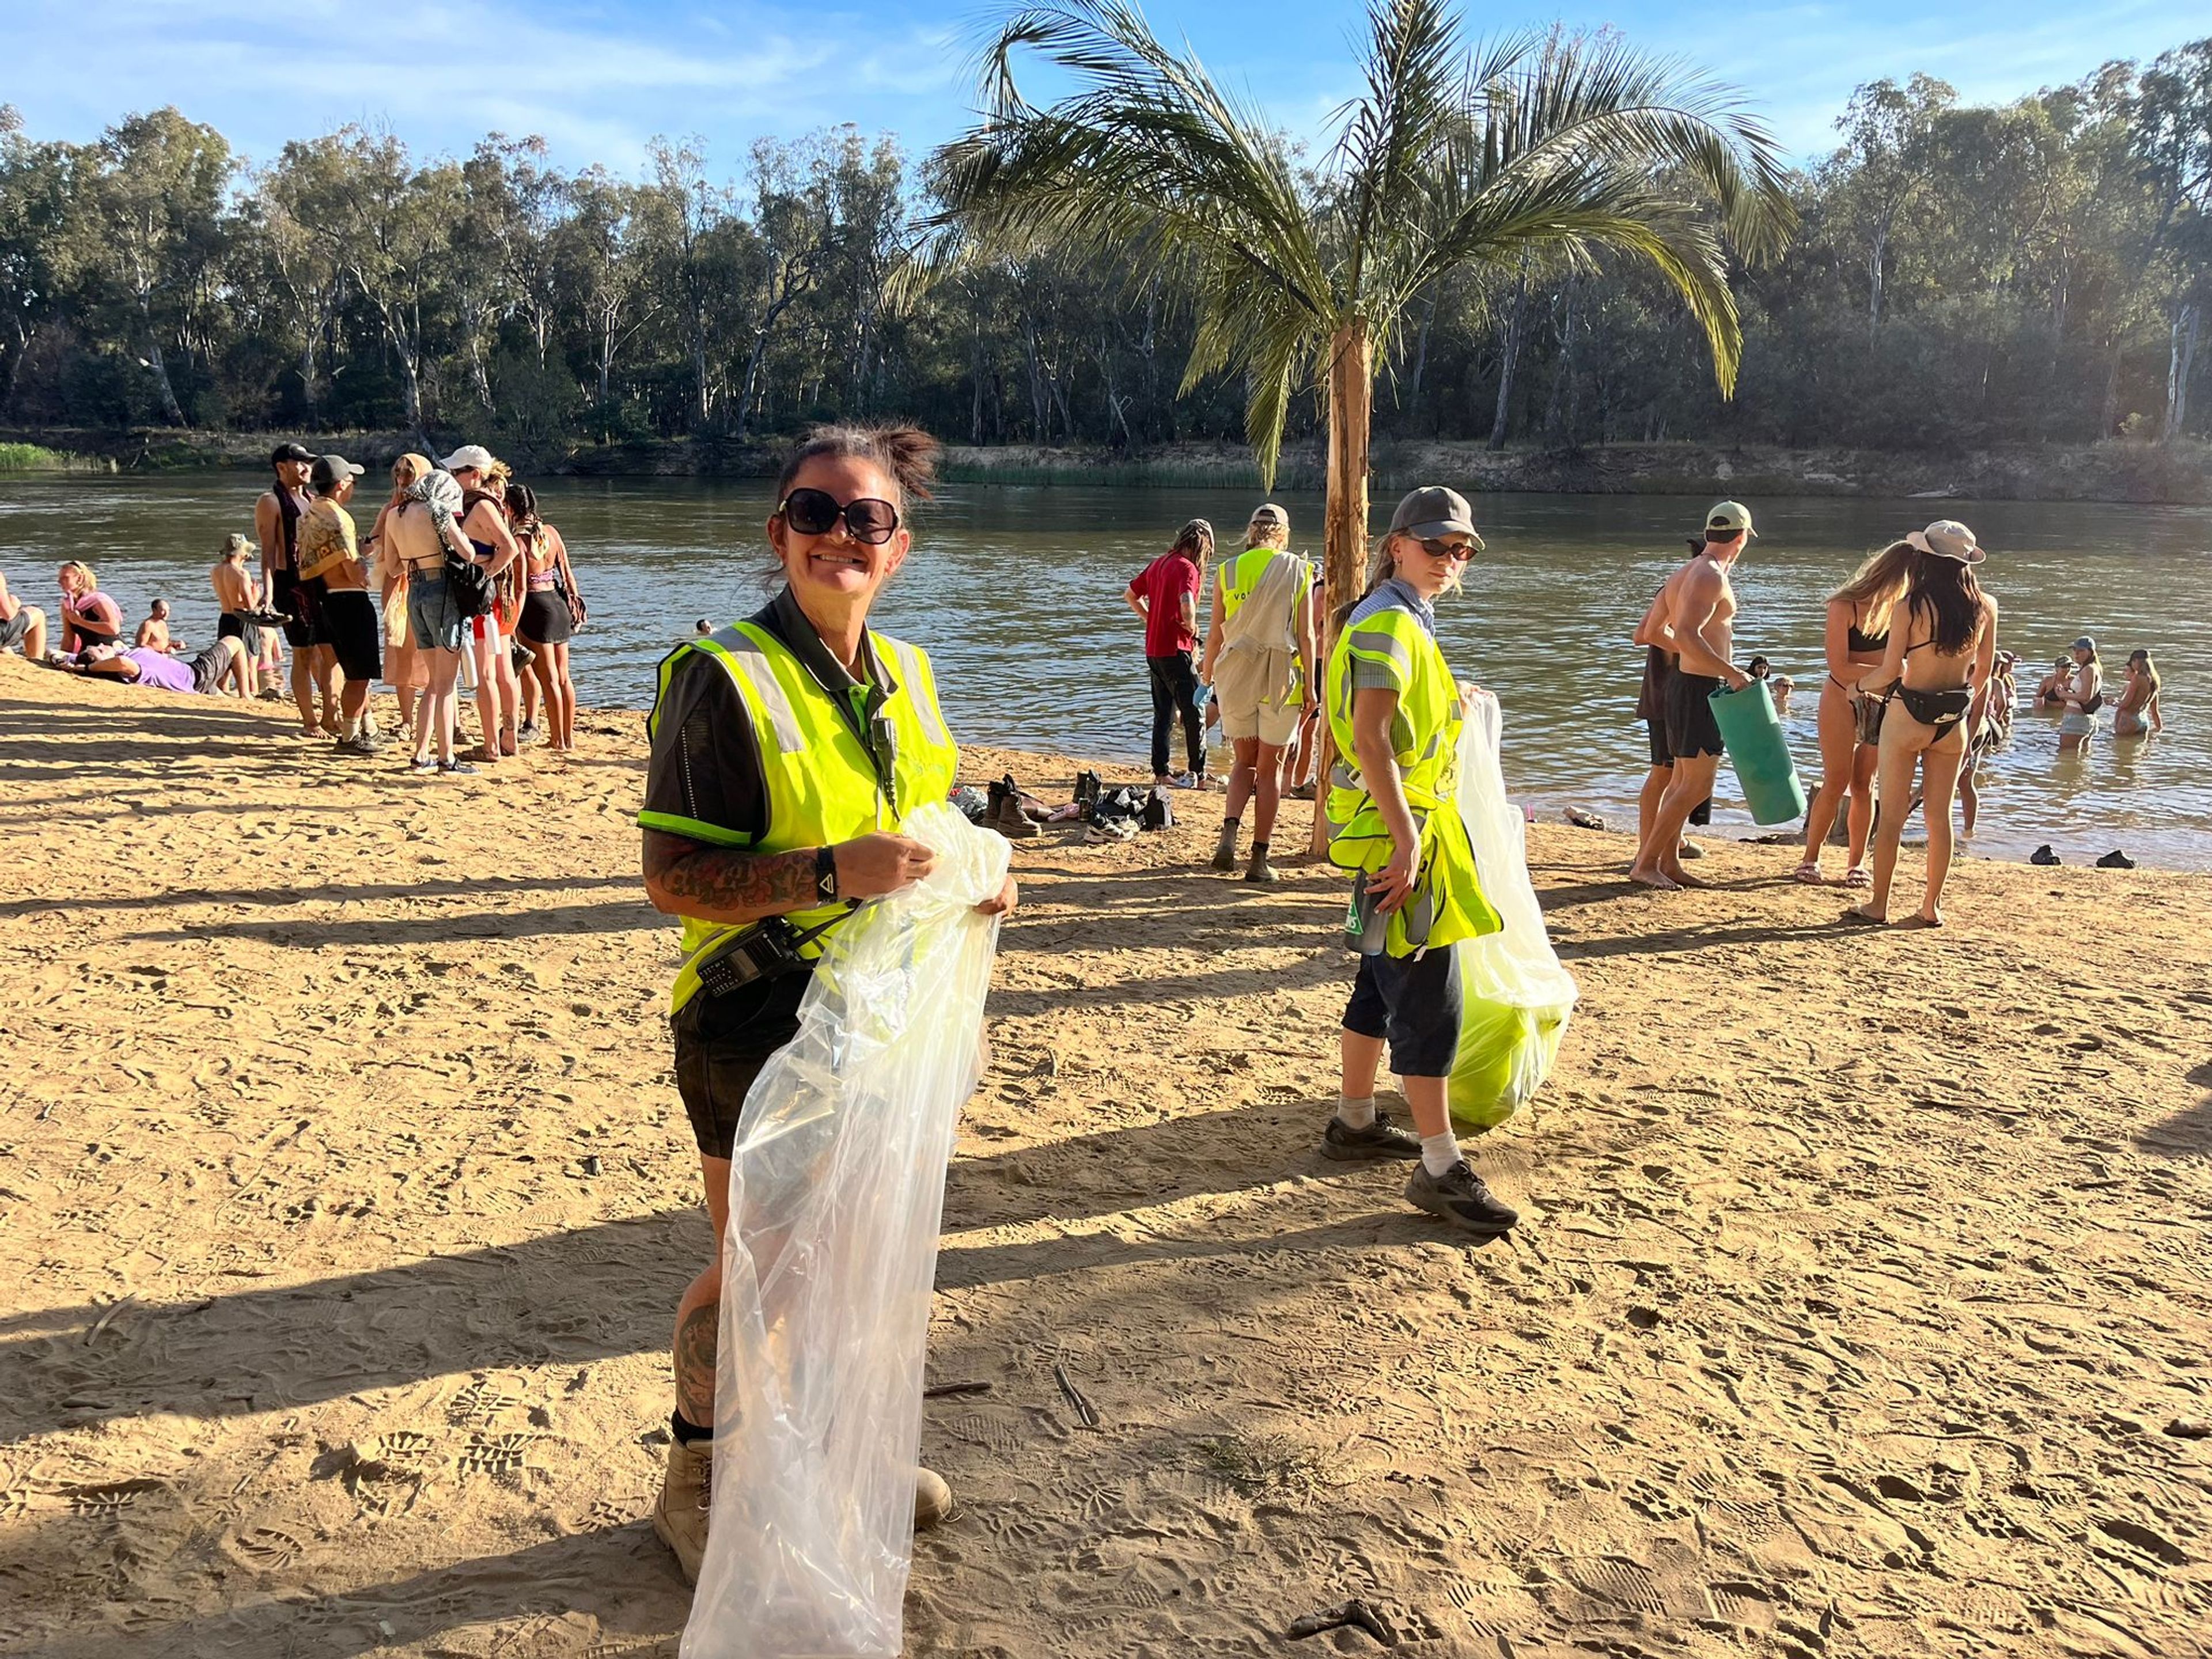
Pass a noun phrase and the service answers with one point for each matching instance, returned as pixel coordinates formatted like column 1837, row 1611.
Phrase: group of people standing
column 463, row 567
column 1256, row 671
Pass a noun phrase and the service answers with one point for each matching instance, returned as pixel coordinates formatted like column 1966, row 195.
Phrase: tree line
column 1959, row 276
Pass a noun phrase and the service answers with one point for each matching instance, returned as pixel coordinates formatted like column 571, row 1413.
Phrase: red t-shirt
column 1163, row 584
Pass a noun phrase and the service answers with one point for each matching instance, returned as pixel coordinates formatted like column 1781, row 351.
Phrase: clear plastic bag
column 836, row 1190
column 1515, row 996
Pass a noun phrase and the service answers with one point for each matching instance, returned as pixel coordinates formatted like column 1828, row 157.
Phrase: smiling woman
column 788, row 750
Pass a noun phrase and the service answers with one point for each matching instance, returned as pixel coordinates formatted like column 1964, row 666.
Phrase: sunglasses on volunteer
column 816, row 513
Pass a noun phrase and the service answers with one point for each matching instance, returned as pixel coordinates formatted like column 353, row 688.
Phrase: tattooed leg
column 698, row 1315
column 695, row 1357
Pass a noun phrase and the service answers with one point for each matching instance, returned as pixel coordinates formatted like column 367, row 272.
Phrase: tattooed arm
column 720, row 883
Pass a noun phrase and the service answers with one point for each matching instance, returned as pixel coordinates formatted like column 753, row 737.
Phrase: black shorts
column 722, row 1042
column 544, row 618
column 1414, row 1002
column 350, row 630
column 1691, row 731
column 296, row 600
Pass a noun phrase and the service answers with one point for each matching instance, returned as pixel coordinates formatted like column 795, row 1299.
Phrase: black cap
column 290, row 452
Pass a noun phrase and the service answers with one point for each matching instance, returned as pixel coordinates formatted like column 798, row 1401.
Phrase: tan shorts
column 1258, row 694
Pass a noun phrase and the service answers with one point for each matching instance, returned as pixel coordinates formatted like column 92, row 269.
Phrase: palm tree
column 1449, row 156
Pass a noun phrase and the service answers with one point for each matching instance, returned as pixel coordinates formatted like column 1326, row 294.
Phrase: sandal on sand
column 1855, row 917
column 1809, row 874
column 1858, row 876
column 1916, row 919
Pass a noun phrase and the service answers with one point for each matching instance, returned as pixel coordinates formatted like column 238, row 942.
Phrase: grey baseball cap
column 2085, row 643
column 329, row 471
column 1435, row 511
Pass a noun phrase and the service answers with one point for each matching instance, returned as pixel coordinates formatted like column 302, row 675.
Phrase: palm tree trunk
column 1351, row 405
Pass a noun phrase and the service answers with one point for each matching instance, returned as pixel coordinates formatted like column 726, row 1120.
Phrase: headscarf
column 438, row 490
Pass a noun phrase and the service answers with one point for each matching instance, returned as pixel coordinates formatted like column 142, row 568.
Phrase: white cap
column 468, row 456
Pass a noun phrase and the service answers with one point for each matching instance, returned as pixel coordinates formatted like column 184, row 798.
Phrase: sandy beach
column 1862, row 1304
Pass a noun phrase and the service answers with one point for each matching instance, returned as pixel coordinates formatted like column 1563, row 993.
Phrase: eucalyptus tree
column 149, row 201
column 1449, row 155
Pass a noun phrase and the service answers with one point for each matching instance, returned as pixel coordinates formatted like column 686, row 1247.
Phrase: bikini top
column 1857, row 641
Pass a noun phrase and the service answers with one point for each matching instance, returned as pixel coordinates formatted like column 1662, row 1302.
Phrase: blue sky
column 599, row 80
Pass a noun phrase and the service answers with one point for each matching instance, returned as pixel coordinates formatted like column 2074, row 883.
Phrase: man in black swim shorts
column 1699, row 602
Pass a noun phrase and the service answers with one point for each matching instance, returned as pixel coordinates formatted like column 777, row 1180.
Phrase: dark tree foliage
column 1960, row 277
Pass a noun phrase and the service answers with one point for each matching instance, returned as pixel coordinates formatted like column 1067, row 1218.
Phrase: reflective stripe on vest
column 746, row 659
column 821, row 781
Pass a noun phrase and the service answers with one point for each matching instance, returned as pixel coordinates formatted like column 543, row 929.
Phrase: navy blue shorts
column 1414, row 1001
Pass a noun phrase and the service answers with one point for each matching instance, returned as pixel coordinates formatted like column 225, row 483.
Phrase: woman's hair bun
column 906, row 452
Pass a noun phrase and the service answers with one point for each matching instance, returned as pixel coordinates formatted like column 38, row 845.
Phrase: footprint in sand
column 267, row 1548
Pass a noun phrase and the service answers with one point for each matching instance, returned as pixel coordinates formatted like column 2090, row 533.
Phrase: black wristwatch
column 825, row 873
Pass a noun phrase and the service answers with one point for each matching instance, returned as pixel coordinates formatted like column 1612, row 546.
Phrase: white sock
column 348, row 727
column 1355, row 1113
column 1439, row 1152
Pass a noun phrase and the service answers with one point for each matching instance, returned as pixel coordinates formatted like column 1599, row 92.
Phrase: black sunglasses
column 815, row 512
column 1437, row 547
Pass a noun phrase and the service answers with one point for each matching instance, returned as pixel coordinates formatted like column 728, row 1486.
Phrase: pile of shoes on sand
column 1108, row 814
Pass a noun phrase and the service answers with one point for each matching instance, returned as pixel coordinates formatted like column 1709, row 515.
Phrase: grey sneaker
column 1379, row 1140
column 1459, row 1196
column 362, row 742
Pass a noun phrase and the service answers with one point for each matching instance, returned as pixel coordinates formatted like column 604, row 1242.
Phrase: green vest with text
column 1447, row 903
column 823, row 783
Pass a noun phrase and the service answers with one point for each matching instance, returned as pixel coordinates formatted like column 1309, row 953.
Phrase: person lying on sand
column 135, row 665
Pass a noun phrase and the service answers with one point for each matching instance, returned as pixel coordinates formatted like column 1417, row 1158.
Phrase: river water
column 1015, row 592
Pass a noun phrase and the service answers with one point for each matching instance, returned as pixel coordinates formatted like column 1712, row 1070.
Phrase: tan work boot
column 932, row 1500
column 679, row 1516
column 1013, row 823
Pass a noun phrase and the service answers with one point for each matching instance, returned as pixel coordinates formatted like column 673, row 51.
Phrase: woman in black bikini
column 546, row 623
column 1942, row 646
column 1851, row 720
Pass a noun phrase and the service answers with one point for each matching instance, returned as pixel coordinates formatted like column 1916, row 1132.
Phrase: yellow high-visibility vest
column 823, row 783
column 1447, row 904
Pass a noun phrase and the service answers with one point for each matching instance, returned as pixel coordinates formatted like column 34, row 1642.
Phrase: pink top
column 96, row 608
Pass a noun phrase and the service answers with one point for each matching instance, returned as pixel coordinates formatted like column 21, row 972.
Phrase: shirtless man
column 277, row 525
column 1698, row 606
column 20, row 625
column 239, row 598
column 1653, row 634
column 153, row 634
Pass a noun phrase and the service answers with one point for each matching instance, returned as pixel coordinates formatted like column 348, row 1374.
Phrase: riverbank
column 2179, row 473
column 1860, row 1292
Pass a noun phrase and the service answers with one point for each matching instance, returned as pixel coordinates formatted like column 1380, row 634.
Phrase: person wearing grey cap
column 1698, row 609
column 1393, row 817
column 331, row 570
column 1260, row 661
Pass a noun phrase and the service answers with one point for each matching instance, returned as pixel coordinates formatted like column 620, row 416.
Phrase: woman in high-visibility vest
column 1393, row 814
column 788, row 750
